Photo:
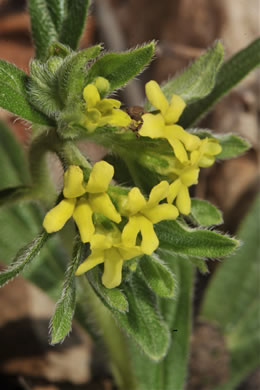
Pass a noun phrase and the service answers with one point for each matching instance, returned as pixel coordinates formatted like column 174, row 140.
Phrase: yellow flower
column 178, row 190
column 188, row 173
column 206, row 154
column 143, row 214
column 162, row 125
column 108, row 248
column 100, row 112
column 82, row 200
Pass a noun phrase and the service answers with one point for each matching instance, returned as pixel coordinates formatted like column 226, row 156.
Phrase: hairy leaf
column 119, row 68
column 142, row 322
column 199, row 78
column 43, row 26
column 157, row 276
column 61, row 321
column 13, row 94
column 114, row 298
column 204, row 213
column 232, row 146
column 74, row 22
column 178, row 239
column 231, row 73
column 171, row 372
column 73, row 73
column 23, row 258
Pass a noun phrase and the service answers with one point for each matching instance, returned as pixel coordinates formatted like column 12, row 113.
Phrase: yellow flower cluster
column 111, row 246
column 101, row 112
column 190, row 151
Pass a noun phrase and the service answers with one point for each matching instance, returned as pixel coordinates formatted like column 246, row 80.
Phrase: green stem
column 113, row 338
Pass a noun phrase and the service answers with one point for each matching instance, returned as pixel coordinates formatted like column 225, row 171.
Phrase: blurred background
column 183, row 30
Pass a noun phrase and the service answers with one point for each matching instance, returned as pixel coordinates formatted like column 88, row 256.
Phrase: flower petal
column 129, row 253
column 91, row 95
column 101, row 242
column 130, row 231
column 161, row 212
column 73, row 182
column 158, row 192
column 83, row 217
column 94, row 259
column 190, row 141
column 106, row 105
column 175, row 109
column 100, row 177
column 135, row 201
column 56, row 218
column 178, row 149
column 183, row 201
column 113, row 264
column 101, row 203
column 116, row 118
column 190, row 176
column 150, row 241
column 173, row 190
column 153, row 126
column 156, row 97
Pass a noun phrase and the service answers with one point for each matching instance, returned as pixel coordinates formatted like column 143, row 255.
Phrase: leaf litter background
column 183, row 28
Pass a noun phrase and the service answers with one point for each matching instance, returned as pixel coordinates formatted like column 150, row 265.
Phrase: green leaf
column 157, row 276
column 56, row 10
column 142, row 322
column 73, row 73
column 232, row 146
column 23, row 258
column 176, row 238
column 204, row 213
column 119, row 68
column 61, row 321
column 199, row 78
column 114, row 298
column 74, row 22
column 231, row 73
column 43, row 26
column 13, row 94
column 13, row 166
column 171, row 372
column 232, row 301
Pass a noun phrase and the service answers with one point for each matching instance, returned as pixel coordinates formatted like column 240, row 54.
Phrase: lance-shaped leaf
column 233, row 71
column 73, row 73
column 23, row 258
column 198, row 79
column 57, row 12
column 177, row 238
column 171, row 372
column 157, row 276
column 61, row 321
column 43, row 26
column 13, row 94
column 204, row 213
column 119, row 68
column 114, row 298
column 232, row 146
column 143, row 322
column 74, row 22
column 232, row 301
